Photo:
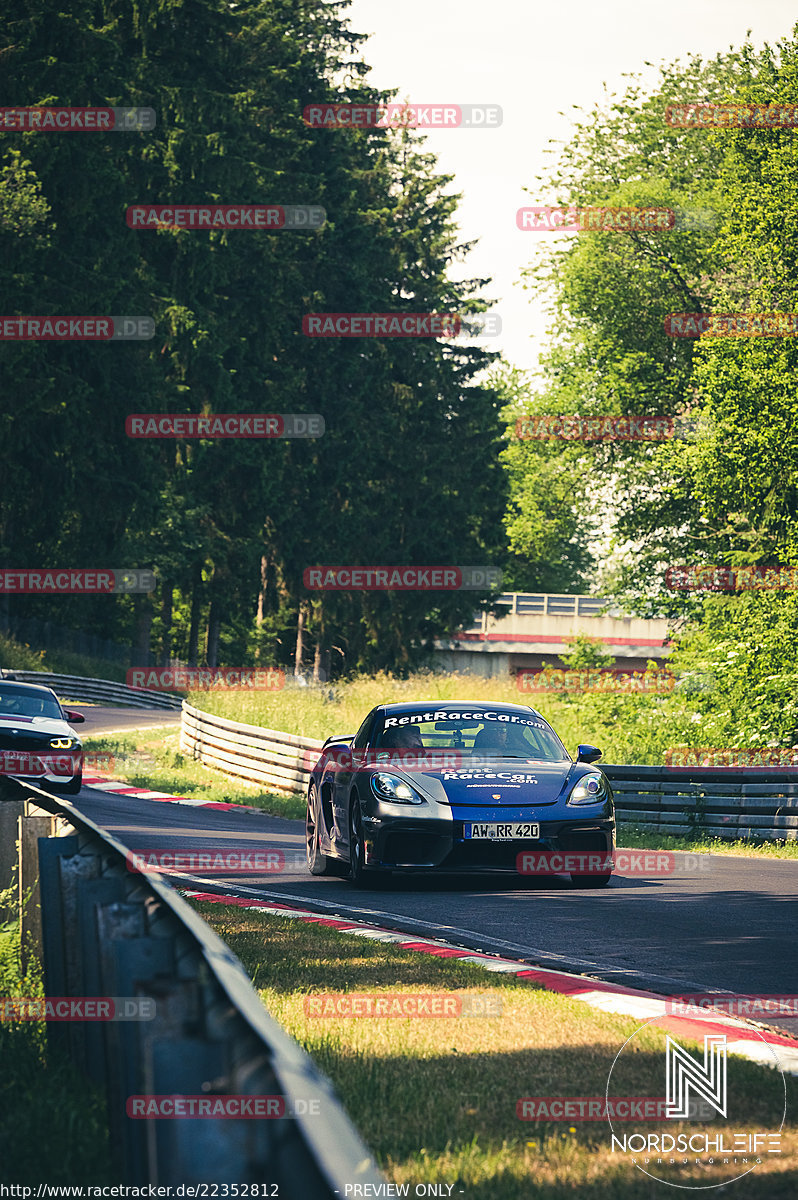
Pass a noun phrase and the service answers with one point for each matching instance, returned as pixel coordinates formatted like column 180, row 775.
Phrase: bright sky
column 537, row 60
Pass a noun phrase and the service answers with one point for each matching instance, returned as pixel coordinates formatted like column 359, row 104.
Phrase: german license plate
column 510, row 832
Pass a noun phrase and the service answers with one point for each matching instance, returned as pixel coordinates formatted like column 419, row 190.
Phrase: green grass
column 435, row 1099
column 19, row 656
column 637, row 839
column 627, row 728
column 53, row 1124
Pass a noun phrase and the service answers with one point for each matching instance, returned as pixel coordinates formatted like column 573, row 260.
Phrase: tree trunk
column 321, row 657
column 193, row 632
column 214, row 629
column 300, row 638
column 142, row 608
column 264, row 584
column 262, row 590
column 167, row 601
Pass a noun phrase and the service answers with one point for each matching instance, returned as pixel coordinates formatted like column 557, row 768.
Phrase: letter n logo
column 684, row 1074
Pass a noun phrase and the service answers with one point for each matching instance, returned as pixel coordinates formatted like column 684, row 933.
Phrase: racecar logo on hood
column 506, row 776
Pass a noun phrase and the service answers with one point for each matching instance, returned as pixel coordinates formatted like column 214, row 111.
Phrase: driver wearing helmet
column 406, row 737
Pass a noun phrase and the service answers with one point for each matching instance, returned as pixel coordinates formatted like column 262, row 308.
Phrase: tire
column 357, row 848
column 318, row 863
column 591, row 881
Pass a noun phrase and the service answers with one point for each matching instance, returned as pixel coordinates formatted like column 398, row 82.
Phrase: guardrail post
column 92, row 893
column 54, row 932
column 190, row 1149
column 136, row 966
column 33, row 824
column 116, row 923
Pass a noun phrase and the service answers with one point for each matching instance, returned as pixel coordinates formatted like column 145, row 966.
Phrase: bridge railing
column 528, row 604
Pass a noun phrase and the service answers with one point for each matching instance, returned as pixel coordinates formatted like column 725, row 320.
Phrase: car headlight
column 389, row 787
column 63, row 743
column 591, row 789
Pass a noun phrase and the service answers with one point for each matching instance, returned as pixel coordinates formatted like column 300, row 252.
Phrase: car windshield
column 473, row 733
column 17, row 702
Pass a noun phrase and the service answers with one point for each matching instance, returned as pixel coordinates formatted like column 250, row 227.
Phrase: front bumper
column 60, row 766
column 405, row 843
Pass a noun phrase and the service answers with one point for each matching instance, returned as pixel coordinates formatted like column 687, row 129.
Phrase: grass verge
column 635, row 728
column 435, row 1099
column 20, row 656
column 53, row 1125
column 637, row 839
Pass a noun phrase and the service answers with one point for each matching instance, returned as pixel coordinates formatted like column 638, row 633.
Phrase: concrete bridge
column 535, row 629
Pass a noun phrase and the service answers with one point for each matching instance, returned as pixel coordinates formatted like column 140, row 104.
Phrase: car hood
column 513, row 782
column 47, row 726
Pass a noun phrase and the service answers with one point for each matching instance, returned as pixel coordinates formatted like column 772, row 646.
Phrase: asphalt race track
column 102, row 719
column 731, row 928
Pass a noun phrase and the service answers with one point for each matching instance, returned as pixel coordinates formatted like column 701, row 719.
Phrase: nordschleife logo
column 724, row 1114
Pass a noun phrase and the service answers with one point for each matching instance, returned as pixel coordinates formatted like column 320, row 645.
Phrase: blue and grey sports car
column 458, row 786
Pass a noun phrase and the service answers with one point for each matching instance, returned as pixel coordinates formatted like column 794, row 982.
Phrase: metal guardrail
column 722, row 803
column 112, row 932
column 281, row 761
column 102, row 691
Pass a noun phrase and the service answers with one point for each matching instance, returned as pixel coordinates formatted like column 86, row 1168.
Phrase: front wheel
column 318, row 863
column 357, row 845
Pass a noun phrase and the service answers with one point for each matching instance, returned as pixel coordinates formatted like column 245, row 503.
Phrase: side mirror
column 74, row 718
column 587, row 754
column 341, row 755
